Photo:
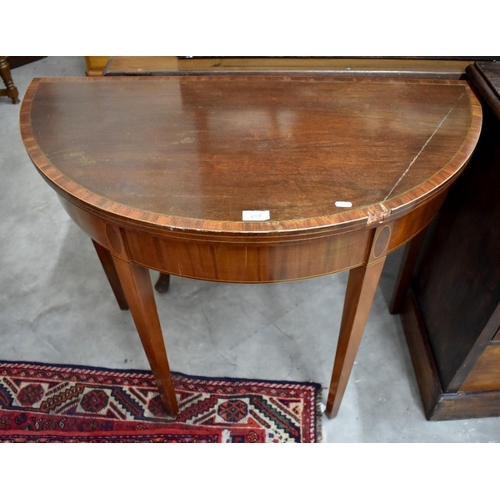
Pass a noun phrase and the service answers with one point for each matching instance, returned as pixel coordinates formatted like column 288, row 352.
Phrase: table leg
column 138, row 289
column 361, row 287
column 163, row 283
column 110, row 270
column 412, row 251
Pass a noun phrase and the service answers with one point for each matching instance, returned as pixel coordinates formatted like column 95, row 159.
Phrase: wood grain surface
column 380, row 67
column 192, row 153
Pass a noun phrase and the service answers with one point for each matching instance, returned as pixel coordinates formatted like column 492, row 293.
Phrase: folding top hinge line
column 377, row 214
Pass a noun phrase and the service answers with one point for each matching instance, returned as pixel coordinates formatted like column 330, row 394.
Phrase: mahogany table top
column 193, row 152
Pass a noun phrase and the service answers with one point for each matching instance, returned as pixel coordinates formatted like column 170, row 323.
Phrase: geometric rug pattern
column 64, row 403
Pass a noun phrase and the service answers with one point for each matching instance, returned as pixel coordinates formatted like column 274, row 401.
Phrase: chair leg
column 11, row 90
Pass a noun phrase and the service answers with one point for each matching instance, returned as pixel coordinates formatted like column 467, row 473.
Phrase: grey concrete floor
column 56, row 307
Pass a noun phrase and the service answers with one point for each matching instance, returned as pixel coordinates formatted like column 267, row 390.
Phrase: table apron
column 238, row 260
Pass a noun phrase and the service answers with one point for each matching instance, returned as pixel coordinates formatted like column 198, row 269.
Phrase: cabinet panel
column 452, row 313
column 496, row 338
column 485, row 376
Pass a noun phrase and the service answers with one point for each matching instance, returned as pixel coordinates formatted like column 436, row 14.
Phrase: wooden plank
column 95, row 65
column 349, row 66
column 485, row 376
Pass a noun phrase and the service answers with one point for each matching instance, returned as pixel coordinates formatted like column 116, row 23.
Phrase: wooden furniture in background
column 452, row 314
column 10, row 90
column 448, row 68
column 95, row 65
column 337, row 66
column 17, row 61
column 158, row 171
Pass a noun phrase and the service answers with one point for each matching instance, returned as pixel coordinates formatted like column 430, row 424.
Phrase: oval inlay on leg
column 382, row 241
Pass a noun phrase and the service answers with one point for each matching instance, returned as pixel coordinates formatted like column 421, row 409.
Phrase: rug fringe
column 320, row 408
column 226, row 436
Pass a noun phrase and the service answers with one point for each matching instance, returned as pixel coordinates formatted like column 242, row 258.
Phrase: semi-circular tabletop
column 192, row 153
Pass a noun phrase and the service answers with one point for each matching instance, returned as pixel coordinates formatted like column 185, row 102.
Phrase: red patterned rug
column 61, row 403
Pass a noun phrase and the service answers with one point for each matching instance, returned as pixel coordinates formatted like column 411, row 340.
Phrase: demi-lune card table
column 248, row 179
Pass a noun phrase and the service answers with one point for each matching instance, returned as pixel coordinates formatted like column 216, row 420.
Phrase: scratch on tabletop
column 418, row 154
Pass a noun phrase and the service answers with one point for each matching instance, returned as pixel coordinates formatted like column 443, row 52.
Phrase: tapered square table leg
column 110, row 270
column 163, row 283
column 410, row 257
column 138, row 289
column 361, row 288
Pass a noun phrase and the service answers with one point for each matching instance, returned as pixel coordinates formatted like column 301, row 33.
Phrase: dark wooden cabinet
column 451, row 315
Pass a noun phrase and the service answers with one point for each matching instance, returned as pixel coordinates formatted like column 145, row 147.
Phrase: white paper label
column 343, row 204
column 256, row 215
